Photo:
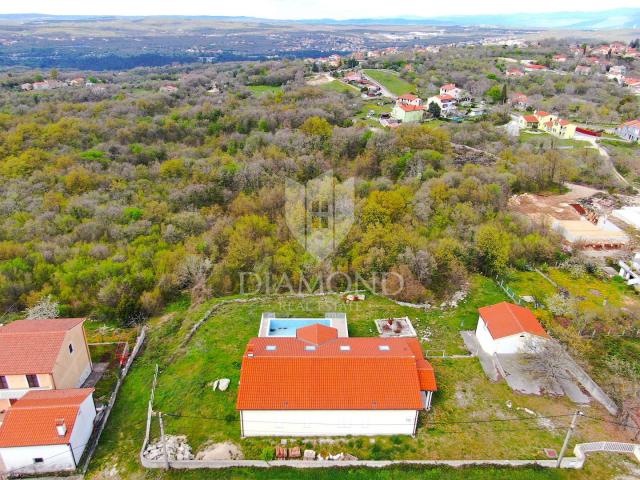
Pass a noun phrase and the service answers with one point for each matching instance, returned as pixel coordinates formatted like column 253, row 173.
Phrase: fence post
column 164, row 442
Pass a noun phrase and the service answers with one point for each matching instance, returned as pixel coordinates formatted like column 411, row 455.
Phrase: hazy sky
column 290, row 9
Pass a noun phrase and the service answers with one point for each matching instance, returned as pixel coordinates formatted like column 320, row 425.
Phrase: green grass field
column 216, row 351
column 340, row 87
column 264, row 89
column 548, row 141
column 391, row 81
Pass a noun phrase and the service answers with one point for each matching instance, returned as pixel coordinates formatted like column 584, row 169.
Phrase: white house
column 451, row 89
column 43, row 354
column 447, row 103
column 320, row 384
column 508, row 328
column 47, row 431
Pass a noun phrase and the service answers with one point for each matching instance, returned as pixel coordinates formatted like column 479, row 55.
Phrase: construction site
column 581, row 217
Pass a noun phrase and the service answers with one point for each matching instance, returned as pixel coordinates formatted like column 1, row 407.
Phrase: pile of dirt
column 220, row 451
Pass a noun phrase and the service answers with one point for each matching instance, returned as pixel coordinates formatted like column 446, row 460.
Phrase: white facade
column 53, row 458
column 24, row 460
column 275, row 423
column 512, row 344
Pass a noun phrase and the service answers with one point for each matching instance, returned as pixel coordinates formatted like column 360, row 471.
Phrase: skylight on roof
column 271, row 348
column 345, row 348
column 310, row 348
column 384, row 348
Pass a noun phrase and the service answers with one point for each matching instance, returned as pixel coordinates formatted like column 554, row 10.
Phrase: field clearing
column 260, row 90
column 549, row 141
column 193, row 409
column 391, row 81
column 340, row 87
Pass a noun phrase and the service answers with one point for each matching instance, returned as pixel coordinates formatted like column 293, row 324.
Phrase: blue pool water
column 287, row 327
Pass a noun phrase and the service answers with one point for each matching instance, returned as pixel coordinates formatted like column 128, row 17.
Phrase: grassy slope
column 264, row 89
column 215, row 351
column 391, row 81
column 340, row 87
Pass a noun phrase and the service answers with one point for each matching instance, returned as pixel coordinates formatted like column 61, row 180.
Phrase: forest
column 118, row 200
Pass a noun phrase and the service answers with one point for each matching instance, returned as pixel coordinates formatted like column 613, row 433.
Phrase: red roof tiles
column 505, row 319
column 32, row 346
column 410, row 108
column 32, row 420
column 340, row 374
column 316, row 334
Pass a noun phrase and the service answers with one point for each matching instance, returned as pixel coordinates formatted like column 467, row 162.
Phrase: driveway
column 486, row 359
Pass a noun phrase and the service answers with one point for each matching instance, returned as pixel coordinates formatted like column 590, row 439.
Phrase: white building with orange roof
column 47, row 431
column 452, row 90
column 629, row 130
column 320, row 384
column 508, row 328
column 44, row 354
column 447, row 103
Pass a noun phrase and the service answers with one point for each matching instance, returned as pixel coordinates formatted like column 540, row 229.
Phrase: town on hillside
column 235, row 247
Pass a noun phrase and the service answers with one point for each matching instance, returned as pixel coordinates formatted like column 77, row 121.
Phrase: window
column 32, row 380
column 3, row 383
column 70, row 348
column 345, row 348
column 38, row 460
column 384, row 348
column 310, row 348
column 271, row 348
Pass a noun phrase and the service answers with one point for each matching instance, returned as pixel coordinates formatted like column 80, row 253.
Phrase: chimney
column 250, row 350
column 61, row 427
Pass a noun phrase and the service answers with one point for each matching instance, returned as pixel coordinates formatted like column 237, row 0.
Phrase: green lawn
column 340, row 87
column 549, row 141
column 264, row 89
column 391, row 81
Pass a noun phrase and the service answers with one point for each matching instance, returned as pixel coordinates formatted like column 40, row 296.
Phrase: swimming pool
column 286, row 327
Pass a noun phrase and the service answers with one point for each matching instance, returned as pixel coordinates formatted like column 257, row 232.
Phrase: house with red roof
column 447, row 103
column 409, row 99
column 452, row 90
column 629, row 130
column 317, row 384
column 47, row 431
column 508, row 328
column 528, row 121
column 45, row 354
column 533, row 67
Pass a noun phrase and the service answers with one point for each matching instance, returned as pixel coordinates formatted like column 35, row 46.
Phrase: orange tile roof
column 505, row 319
column 32, row 420
column 542, row 113
column 408, row 96
column 530, row 119
column 410, row 108
column 446, row 96
column 358, row 376
column 316, row 334
column 448, row 86
column 32, row 346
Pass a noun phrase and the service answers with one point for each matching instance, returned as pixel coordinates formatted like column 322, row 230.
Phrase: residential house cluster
column 52, row 84
column 357, row 79
column 46, row 417
column 306, row 377
column 408, row 109
column 549, row 123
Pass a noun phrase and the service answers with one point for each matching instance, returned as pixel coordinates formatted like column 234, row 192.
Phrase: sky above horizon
column 304, row 9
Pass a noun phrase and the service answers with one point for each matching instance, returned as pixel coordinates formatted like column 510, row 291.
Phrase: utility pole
column 163, row 439
column 572, row 427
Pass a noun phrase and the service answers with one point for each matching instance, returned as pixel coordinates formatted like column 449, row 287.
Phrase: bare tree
column 547, row 361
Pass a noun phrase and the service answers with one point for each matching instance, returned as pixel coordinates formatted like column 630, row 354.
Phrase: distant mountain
column 620, row 18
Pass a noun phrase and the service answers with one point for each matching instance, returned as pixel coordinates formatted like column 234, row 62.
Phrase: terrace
column 272, row 326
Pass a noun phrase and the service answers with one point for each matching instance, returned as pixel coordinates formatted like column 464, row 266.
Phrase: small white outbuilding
column 46, row 431
column 508, row 328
